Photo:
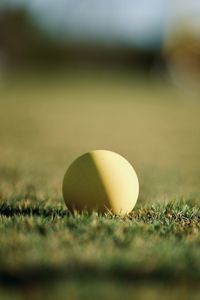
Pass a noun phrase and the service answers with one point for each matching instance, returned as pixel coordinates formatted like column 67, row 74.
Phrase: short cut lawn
column 45, row 251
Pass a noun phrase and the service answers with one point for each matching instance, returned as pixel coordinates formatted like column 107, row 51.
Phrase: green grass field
column 45, row 122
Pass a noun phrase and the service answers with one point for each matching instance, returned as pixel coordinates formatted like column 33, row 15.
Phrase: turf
column 41, row 244
column 44, row 250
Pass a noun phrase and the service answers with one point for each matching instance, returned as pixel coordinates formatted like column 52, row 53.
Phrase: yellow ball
column 101, row 180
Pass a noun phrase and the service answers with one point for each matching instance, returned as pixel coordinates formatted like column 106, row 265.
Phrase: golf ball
column 101, row 180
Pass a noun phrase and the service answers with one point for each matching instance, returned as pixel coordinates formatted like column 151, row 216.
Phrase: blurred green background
column 48, row 121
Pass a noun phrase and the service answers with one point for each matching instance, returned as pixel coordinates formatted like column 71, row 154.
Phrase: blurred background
column 89, row 32
column 133, row 34
column 118, row 75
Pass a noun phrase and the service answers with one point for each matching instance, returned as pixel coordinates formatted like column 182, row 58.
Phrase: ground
column 47, row 120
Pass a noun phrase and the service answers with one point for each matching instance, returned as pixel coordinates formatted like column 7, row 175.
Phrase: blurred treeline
column 23, row 43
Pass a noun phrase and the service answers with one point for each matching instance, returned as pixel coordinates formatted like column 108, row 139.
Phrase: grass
column 41, row 244
column 47, row 252
column 52, row 238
